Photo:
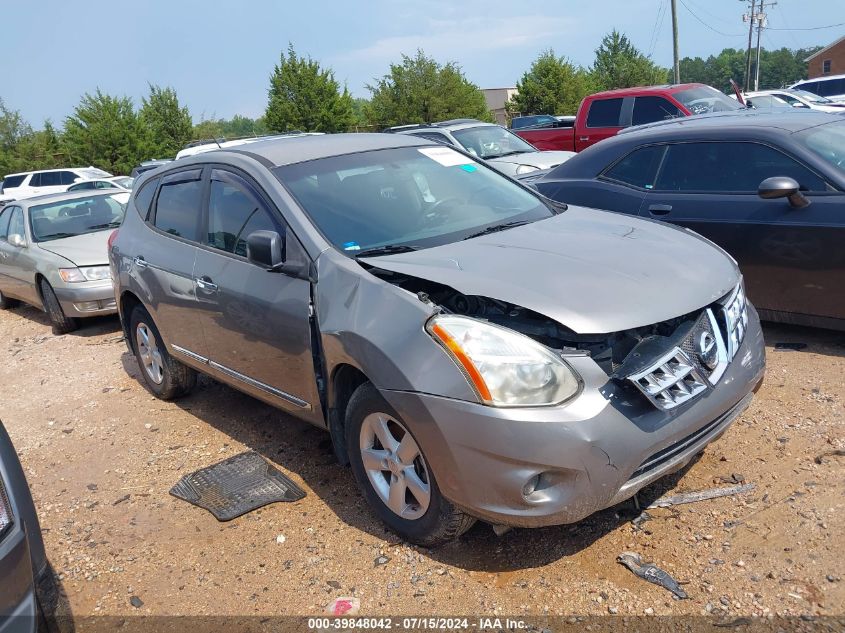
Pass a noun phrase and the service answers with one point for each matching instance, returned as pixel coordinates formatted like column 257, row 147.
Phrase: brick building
column 828, row 61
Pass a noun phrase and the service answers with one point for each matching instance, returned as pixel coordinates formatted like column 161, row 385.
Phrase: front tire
column 166, row 377
column 62, row 324
column 393, row 474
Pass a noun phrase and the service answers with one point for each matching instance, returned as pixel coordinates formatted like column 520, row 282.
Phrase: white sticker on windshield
column 446, row 156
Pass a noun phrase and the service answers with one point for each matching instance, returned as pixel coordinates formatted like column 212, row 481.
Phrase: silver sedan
column 53, row 254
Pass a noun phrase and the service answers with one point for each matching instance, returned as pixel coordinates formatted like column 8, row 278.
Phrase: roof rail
column 455, row 122
column 411, row 126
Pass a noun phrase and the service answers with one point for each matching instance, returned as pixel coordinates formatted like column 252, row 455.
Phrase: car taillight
column 112, row 238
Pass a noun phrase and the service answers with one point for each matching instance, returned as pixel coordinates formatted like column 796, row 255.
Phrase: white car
column 800, row 99
column 831, row 86
column 499, row 147
column 119, row 183
column 35, row 183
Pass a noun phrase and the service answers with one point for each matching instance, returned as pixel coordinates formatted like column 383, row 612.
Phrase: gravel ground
column 101, row 454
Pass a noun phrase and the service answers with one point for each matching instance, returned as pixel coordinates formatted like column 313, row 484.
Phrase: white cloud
column 452, row 40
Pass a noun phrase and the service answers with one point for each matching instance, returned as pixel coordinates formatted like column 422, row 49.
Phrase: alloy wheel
column 149, row 353
column 395, row 466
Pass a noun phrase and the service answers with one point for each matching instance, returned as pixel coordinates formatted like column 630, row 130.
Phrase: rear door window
column 604, row 113
column 639, row 168
column 35, row 181
column 651, row 109
column 233, row 213
column 179, row 204
column 729, row 167
column 51, row 179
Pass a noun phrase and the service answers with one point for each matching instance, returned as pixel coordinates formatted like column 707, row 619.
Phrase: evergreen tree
column 303, row 96
column 419, row 90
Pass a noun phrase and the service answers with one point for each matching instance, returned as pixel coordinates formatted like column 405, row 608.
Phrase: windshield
column 704, row 99
column 123, row 181
column 809, row 96
column 826, row 142
column 411, row 196
column 76, row 216
column 491, row 141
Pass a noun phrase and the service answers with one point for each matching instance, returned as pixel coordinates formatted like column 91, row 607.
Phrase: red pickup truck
column 603, row 114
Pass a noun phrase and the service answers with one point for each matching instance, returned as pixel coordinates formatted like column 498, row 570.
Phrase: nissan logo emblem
column 707, row 351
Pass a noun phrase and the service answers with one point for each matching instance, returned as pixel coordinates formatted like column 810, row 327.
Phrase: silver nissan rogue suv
column 474, row 349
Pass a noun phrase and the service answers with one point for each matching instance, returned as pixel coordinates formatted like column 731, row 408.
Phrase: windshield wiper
column 55, row 236
column 388, row 249
column 108, row 225
column 498, row 227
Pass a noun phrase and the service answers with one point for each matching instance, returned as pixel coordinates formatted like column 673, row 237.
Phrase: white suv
column 34, row 183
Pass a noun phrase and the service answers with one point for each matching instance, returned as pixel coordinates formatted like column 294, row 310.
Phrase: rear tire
column 62, row 324
column 6, row 303
column 374, row 430
column 165, row 376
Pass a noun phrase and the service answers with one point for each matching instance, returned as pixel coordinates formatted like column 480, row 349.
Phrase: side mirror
column 16, row 239
column 783, row 187
column 266, row 249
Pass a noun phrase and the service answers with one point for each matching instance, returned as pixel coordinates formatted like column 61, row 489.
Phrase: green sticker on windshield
column 469, row 168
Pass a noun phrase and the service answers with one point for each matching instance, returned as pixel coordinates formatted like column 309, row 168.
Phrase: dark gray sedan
column 768, row 188
column 25, row 575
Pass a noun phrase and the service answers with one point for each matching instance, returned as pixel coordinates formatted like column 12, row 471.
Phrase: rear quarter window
column 178, row 208
column 604, row 113
column 639, row 168
column 144, row 197
column 10, row 182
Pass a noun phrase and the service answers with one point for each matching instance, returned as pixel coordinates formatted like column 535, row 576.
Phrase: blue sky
column 219, row 55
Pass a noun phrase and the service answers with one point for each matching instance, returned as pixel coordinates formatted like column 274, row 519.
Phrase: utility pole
column 676, row 62
column 761, row 24
column 750, row 18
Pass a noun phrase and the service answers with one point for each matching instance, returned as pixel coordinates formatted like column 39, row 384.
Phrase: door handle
column 204, row 283
column 660, row 209
column 583, row 138
column 139, row 262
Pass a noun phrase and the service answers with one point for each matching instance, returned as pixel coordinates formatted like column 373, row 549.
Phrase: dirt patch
column 101, row 455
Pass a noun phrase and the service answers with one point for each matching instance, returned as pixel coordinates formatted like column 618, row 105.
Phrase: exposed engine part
column 609, row 351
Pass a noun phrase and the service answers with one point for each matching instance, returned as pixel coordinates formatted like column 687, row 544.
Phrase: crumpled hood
column 592, row 271
column 88, row 249
column 540, row 160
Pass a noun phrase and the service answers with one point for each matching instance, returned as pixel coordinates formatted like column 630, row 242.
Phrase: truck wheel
column 166, row 377
column 6, row 303
column 61, row 324
column 393, row 474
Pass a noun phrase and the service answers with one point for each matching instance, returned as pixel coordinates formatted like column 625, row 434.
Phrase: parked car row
column 542, row 360
column 768, row 188
column 604, row 114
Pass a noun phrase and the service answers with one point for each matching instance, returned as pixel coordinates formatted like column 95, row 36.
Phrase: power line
column 658, row 23
column 707, row 25
column 811, row 28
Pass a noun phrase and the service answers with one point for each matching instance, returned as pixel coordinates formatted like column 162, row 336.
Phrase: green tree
column 553, row 85
column 619, row 64
column 167, row 126
column 359, row 108
column 778, row 68
column 303, row 96
column 104, row 131
column 419, row 90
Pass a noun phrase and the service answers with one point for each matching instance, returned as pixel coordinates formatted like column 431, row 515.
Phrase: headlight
column 525, row 169
column 86, row 273
column 5, row 510
column 505, row 367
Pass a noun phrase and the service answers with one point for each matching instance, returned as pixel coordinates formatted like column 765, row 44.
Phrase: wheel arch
column 128, row 302
column 345, row 379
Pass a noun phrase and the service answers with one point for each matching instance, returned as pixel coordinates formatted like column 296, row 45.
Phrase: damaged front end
column 668, row 363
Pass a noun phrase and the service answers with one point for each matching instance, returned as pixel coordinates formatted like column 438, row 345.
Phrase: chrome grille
column 671, row 381
column 735, row 311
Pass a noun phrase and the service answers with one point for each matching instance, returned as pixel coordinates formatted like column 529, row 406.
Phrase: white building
column 496, row 99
